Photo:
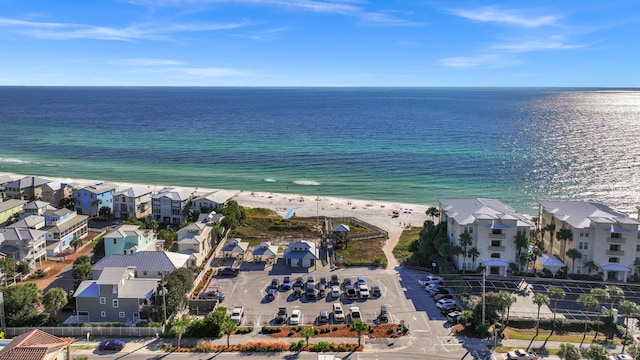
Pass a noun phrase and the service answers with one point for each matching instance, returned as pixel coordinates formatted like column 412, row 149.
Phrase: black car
column 271, row 294
column 311, row 293
column 334, row 280
column 111, row 345
column 384, row 314
column 282, row 315
column 375, row 291
column 286, row 283
column 275, row 283
column 228, row 271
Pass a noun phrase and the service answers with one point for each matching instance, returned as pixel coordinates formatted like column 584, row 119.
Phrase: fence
column 95, row 331
column 378, row 232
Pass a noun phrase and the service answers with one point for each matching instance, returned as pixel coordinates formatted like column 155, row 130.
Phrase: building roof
column 309, row 251
column 236, row 246
column 33, row 345
column 123, row 231
column 129, row 287
column 10, row 204
column 580, row 214
column 5, row 179
column 18, row 234
column 58, row 212
column 467, row 211
column 57, row 185
column 219, row 196
column 37, row 204
column 174, row 194
column 135, row 191
column 64, row 226
column 265, row 249
column 29, row 181
column 30, row 221
column 164, row 261
column 100, row 188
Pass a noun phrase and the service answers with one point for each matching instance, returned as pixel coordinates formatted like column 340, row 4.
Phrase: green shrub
column 322, row 346
column 292, row 332
column 265, row 346
column 271, row 329
column 297, row 345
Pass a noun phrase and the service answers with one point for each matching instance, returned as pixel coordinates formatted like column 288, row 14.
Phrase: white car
column 335, row 292
column 364, row 291
column 442, row 302
column 338, row 313
column 236, row 314
column 431, row 280
column 522, row 354
column 294, row 319
column 355, row 314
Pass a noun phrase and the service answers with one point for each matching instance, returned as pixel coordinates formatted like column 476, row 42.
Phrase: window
column 115, row 241
column 586, row 245
column 637, row 247
column 159, row 273
column 103, row 300
column 580, row 245
column 496, row 243
column 579, row 269
column 175, row 211
column 616, row 236
column 468, row 229
column 586, row 234
column 495, row 256
column 103, row 314
column 496, row 231
column 116, row 303
column 121, row 314
column 614, row 247
column 144, row 273
column 614, row 260
column 585, row 258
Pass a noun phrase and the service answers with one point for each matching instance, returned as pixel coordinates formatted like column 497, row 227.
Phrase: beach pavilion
column 301, row 254
column 265, row 252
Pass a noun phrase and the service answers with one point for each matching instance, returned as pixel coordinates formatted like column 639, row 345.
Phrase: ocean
column 409, row 145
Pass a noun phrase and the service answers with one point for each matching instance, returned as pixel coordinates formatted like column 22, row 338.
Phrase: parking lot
column 249, row 290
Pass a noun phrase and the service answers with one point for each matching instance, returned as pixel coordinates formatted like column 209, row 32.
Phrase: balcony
column 619, row 240
column 497, row 236
column 615, row 253
column 495, row 248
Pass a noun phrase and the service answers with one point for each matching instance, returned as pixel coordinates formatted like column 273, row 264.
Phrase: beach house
column 24, row 245
column 212, row 201
column 36, row 207
column 62, row 226
column 490, row 228
column 26, row 188
column 235, row 248
column 301, row 253
column 10, row 210
column 602, row 239
column 134, row 201
column 116, row 296
column 37, row 345
column 265, row 252
column 53, row 192
column 90, row 199
column 4, row 180
column 171, row 206
column 128, row 239
column 145, row 264
column 196, row 240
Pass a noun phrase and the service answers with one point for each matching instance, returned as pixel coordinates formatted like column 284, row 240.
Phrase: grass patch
column 363, row 253
column 540, row 351
column 569, row 338
column 265, row 224
column 402, row 249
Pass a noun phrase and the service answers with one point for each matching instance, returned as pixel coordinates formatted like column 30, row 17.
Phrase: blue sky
column 320, row 43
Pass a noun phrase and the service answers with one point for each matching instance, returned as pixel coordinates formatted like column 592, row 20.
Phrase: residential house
column 196, row 240
column 24, row 245
column 265, row 252
column 605, row 238
column 128, row 239
column 35, row 222
column 10, row 210
column 116, row 296
column 53, row 192
column 37, row 345
column 145, row 264
column 492, row 228
column 26, row 188
column 4, row 180
column 301, row 254
column 213, row 201
column 235, row 248
column 62, row 226
column 131, row 202
column 90, row 199
column 171, row 206
column 36, row 207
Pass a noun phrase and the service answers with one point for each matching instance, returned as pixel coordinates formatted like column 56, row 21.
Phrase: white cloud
column 511, row 17
column 485, row 61
column 210, row 71
column 553, row 43
column 147, row 62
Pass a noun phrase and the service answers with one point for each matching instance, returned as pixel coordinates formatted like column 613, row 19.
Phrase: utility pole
column 484, row 278
column 164, row 302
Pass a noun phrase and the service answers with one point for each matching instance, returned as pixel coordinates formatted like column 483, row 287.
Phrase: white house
column 195, row 240
column 235, row 248
column 134, row 201
column 301, row 254
column 213, row 201
column 492, row 226
column 265, row 252
column 171, row 206
column 607, row 238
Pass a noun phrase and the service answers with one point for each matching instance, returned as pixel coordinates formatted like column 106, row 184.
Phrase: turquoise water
column 412, row 145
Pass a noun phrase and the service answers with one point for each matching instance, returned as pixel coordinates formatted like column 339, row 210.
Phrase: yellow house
column 9, row 208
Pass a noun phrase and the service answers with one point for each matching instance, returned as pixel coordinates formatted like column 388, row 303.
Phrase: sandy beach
column 375, row 212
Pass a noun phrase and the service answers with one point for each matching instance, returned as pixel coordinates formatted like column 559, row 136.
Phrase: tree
column 634, row 351
column 7, row 267
column 359, row 327
column 177, row 329
column 23, row 305
column 573, row 254
column 615, row 294
column 540, row 299
column 474, row 253
column 589, row 303
column 602, row 295
column 569, row 352
column 591, row 266
column 556, row 294
column 307, row 333
column 76, row 242
column 564, row 234
column 55, row 299
column 507, row 299
column 96, row 203
column 228, row 327
column 521, row 242
column 433, row 212
column 68, row 203
column 465, row 240
column 104, row 212
column 628, row 308
column 154, row 225
column 178, row 284
column 81, row 268
column 595, row 352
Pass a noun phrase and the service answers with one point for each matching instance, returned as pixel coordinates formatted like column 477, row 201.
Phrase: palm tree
column 589, row 303
column 433, row 212
column 228, row 327
column 96, row 203
column 556, row 294
column 628, row 308
column 591, row 266
column 602, row 295
column 178, row 328
column 551, row 229
column 456, row 251
column 569, row 352
column 359, row 327
column 573, row 254
column 507, row 299
column 564, row 234
column 473, row 253
column 465, row 240
column 615, row 294
column 540, row 299
column 307, row 333
column 55, row 299
column 76, row 242
column 521, row 242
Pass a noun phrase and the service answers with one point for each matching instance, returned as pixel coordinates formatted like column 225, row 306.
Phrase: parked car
column 297, row 291
column 311, row 280
column 111, row 345
column 351, row 292
column 364, row 291
column 323, row 317
column 438, row 291
column 281, row 317
column 338, row 313
column 431, row 279
column 432, row 287
column 334, row 280
column 522, row 354
column 454, row 316
column 346, row 282
column 275, row 283
column 442, row 302
column 354, row 314
column 362, row 280
column 375, row 291
column 323, row 283
column 212, row 295
column 442, row 296
column 384, row 314
column 294, row 319
column 335, row 292
column 271, row 294
column 299, row 282
column 310, row 293
column 228, row 271
column 447, row 308
column 286, row 283
column 236, row 314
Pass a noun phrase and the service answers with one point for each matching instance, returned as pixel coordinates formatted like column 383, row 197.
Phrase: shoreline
column 376, row 212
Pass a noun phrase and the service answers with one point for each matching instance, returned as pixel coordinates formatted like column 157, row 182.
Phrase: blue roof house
column 90, row 199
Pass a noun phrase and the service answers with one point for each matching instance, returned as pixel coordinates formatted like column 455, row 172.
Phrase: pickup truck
column 282, row 316
column 236, row 314
column 522, row 355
